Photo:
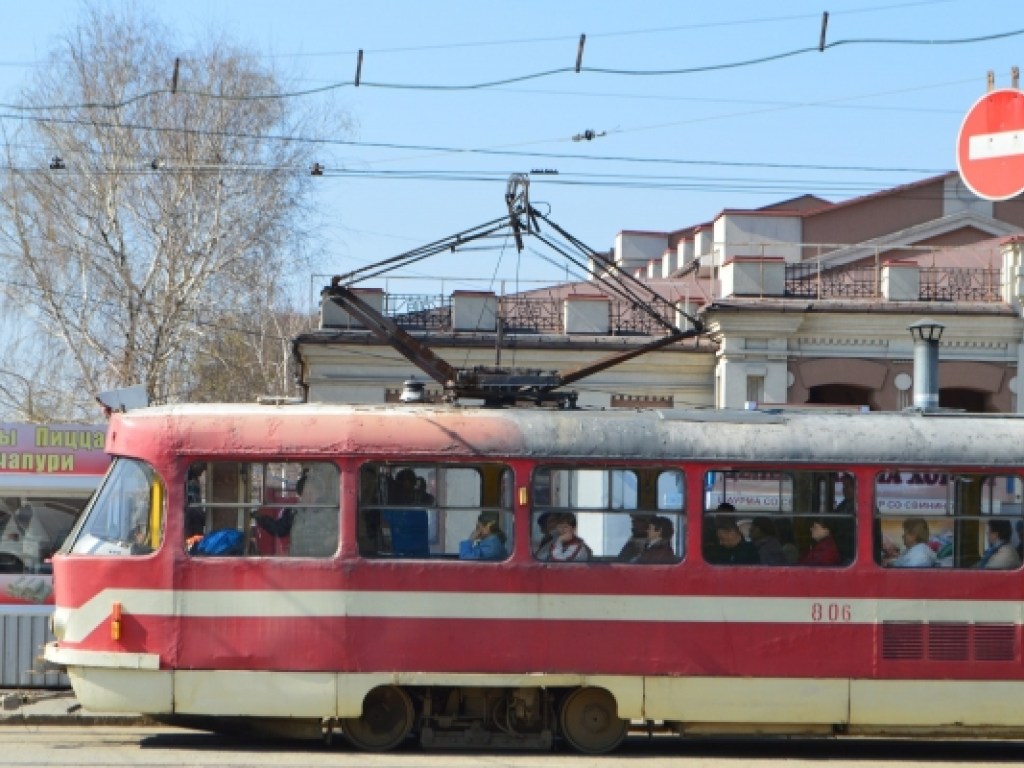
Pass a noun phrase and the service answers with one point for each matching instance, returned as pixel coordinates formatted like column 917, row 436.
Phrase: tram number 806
column 831, row 612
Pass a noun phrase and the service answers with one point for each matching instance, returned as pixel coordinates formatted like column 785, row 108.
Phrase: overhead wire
column 473, row 151
column 121, row 103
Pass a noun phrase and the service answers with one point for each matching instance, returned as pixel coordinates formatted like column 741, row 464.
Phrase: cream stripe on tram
column 519, row 606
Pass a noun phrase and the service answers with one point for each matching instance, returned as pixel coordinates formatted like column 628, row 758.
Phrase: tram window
column 948, row 520
column 767, row 517
column 429, row 510
column 126, row 516
column 592, row 514
column 270, row 509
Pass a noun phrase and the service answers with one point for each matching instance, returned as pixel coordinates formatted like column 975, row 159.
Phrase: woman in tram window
column 916, row 552
column 486, row 542
column 567, row 547
column 824, row 550
column 1000, row 554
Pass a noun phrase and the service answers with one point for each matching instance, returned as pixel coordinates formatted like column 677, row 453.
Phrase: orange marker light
column 115, row 621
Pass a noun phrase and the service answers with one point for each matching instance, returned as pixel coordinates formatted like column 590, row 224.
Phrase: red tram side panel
column 385, row 632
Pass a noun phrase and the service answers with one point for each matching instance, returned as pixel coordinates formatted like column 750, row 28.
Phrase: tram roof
column 420, row 431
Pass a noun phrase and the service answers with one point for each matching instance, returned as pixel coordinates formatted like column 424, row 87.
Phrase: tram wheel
column 590, row 721
column 386, row 721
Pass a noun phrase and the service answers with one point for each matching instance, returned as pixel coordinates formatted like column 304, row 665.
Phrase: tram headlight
column 58, row 623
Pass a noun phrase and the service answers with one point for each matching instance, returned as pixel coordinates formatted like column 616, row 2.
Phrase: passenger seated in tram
column 823, row 550
column 1000, row 553
column 659, row 542
column 368, row 520
column 486, row 542
column 848, row 505
column 420, row 492
column 195, row 515
column 546, row 522
column 567, row 547
column 408, row 488
column 916, row 552
column 764, row 537
column 637, row 542
column 732, row 548
column 403, row 487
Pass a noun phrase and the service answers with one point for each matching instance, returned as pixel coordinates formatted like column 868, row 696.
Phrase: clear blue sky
column 854, row 119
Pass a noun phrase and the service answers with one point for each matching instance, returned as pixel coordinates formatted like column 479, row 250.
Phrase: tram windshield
column 126, row 517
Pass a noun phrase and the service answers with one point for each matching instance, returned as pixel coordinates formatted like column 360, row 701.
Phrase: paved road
column 101, row 746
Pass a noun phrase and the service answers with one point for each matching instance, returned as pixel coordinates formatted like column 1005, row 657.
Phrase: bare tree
column 151, row 209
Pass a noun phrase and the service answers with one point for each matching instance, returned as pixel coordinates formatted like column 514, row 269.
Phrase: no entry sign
column 990, row 146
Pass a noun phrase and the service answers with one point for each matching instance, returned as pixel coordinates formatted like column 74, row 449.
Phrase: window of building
column 596, row 514
column 947, row 520
column 435, row 510
column 269, row 509
column 754, row 517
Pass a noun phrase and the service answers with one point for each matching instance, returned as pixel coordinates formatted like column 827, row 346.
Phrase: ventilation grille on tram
column 948, row 641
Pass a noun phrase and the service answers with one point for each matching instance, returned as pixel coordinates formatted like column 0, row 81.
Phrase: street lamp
column 926, row 334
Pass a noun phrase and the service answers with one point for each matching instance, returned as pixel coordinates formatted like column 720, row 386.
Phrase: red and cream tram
column 505, row 578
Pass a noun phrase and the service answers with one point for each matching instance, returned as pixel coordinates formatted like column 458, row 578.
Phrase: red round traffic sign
column 990, row 145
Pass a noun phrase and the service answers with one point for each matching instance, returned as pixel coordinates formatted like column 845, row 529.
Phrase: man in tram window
column 403, row 490
column 546, row 522
column 1000, row 553
column 405, row 532
column 848, row 505
column 916, row 551
column 368, row 521
column 732, row 548
column 637, row 542
column 764, row 536
column 195, row 514
column 659, row 542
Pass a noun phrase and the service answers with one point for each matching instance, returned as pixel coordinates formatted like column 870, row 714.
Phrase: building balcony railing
column 961, row 284
column 419, row 312
column 520, row 315
column 809, row 281
column 435, row 313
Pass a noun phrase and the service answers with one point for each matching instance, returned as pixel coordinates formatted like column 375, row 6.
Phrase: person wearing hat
column 486, row 542
column 636, row 544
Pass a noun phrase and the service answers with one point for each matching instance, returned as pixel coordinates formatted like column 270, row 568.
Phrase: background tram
column 47, row 474
column 310, row 568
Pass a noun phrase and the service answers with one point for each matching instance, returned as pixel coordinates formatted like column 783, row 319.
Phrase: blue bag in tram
column 223, row 542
